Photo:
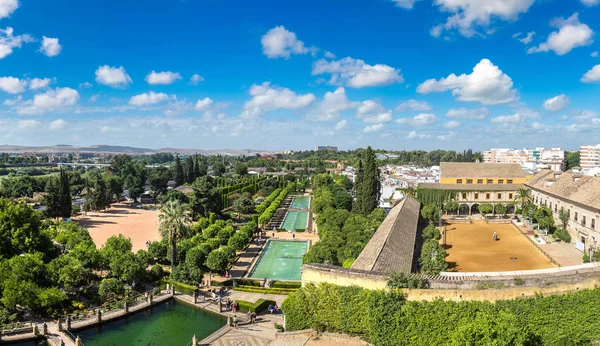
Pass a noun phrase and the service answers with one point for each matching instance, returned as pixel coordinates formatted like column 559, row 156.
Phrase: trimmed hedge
column 253, row 289
column 258, row 307
column 284, row 284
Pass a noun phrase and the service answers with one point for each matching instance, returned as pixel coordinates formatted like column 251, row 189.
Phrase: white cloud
column 382, row 117
column 413, row 105
column 8, row 41
column 515, row 118
column 147, row 99
column 373, row 128
column 163, row 78
column 467, row 15
column 203, row 104
column 267, row 98
column 536, row 126
column 527, row 39
column 447, row 136
column 196, row 79
column 333, row 103
column 557, row 103
column 590, row 2
column 51, row 100
column 464, row 113
column 487, row 84
column 452, row 124
column 592, row 75
column 571, row 34
column 281, row 43
column 341, row 125
column 112, row 76
column 85, row 85
column 369, row 107
column 423, row 119
column 7, row 7
column 58, row 124
column 406, row 4
column 50, row 46
column 109, row 129
column 27, row 124
column 12, row 85
column 13, row 101
column 355, row 73
column 595, row 54
column 329, row 55
column 583, row 114
column 40, row 83
column 415, row 135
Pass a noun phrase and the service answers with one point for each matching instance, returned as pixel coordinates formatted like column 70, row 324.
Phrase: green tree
column 563, row 216
column 371, row 184
column 110, row 289
column 500, row 209
column 431, row 213
column 178, row 173
column 486, row 208
column 174, row 225
column 573, row 158
column 206, row 197
column 241, row 169
column 433, row 258
column 159, row 181
column 523, row 196
column 358, row 187
column 243, row 205
column 190, row 175
column 400, row 279
column 219, row 168
column 451, row 206
column 218, row 260
column 134, row 179
column 65, row 195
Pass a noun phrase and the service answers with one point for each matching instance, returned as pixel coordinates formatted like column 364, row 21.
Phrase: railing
column 536, row 245
column 73, row 338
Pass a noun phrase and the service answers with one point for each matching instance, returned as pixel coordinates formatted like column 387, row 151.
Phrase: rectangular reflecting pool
column 301, row 202
column 172, row 323
column 295, row 220
column 280, row 260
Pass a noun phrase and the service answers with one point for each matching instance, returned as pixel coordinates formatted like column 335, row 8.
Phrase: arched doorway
column 510, row 208
column 463, row 209
column 475, row 209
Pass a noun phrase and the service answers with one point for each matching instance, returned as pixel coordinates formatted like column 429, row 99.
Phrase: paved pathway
column 564, row 253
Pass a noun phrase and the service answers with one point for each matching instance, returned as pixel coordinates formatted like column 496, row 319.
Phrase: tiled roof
column 480, row 170
column 472, row 187
column 584, row 191
column 392, row 247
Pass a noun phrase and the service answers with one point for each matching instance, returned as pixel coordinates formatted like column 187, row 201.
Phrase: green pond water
column 295, row 220
column 172, row 323
column 281, row 260
column 301, row 202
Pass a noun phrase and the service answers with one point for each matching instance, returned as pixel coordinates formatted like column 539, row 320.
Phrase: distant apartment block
column 589, row 156
column 326, row 148
column 553, row 158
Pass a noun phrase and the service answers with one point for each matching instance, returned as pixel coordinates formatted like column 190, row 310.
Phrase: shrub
column 258, row 307
column 519, row 282
column 431, row 232
column 252, row 289
column 157, row 272
column 284, row 284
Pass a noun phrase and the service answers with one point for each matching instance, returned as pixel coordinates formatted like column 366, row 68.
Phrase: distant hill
column 116, row 149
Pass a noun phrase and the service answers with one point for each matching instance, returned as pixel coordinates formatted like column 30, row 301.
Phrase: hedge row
column 253, row 289
column 258, row 307
column 284, row 284
column 385, row 317
column 270, row 211
column 267, row 201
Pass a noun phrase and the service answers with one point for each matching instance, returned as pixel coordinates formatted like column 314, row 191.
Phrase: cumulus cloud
column 7, row 7
column 52, row 100
column 525, row 40
column 413, row 105
column 406, row 4
column 557, row 103
column 571, row 34
column 39, row 83
column 539, row 127
column 203, row 104
column 162, row 78
column 58, row 125
column 423, row 119
column 25, row 125
column 341, row 125
column 595, row 54
column 267, row 98
column 487, row 84
column 464, row 113
column 281, row 43
column 448, row 136
column 355, row 73
column 468, row 15
column 371, row 111
column 196, row 79
column 333, row 103
column 85, row 85
column 592, row 75
column 515, row 118
column 329, row 55
column 373, row 128
column 147, row 99
column 590, row 2
column 113, row 76
column 50, row 46
column 415, row 135
column 452, row 124
column 12, row 85
column 583, row 114
column 8, row 40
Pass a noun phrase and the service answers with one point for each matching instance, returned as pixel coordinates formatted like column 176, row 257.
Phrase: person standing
column 271, row 308
column 235, row 322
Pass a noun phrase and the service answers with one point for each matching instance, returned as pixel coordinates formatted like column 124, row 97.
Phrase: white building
column 589, row 156
column 538, row 158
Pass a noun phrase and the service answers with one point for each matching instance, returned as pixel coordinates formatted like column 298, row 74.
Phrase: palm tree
column 523, row 195
column 175, row 222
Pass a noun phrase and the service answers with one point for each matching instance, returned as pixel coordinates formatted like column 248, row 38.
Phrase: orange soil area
column 138, row 224
column 472, row 248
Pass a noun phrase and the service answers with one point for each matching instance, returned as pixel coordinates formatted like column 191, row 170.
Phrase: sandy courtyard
column 471, row 248
column 138, row 224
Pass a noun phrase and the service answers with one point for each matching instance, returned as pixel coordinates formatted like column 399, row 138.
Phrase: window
column 479, row 181
column 476, row 195
column 464, row 195
column 499, row 196
column 487, row 196
column 550, row 205
column 490, row 181
column 555, row 207
column 509, row 181
column 583, row 220
column 500, row 181
column 469, row 181
column 593, row 224
column 576, row 216
column 459, row 181
column 510, row 196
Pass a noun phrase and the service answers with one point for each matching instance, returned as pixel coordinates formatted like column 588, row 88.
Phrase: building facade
column 576, row 194
column 553, row 158
column 589, row 156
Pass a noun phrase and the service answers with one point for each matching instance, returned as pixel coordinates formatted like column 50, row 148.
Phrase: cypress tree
column 65, row 195
column 189, row 170
column 358, row 183
column 178, row 173
column 52, row 198
column 371, row 185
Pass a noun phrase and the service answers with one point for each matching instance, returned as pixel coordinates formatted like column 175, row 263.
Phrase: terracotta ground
column 471, row 248
column 138, row 224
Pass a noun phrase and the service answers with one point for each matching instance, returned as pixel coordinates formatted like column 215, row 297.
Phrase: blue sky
column 394, row 74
